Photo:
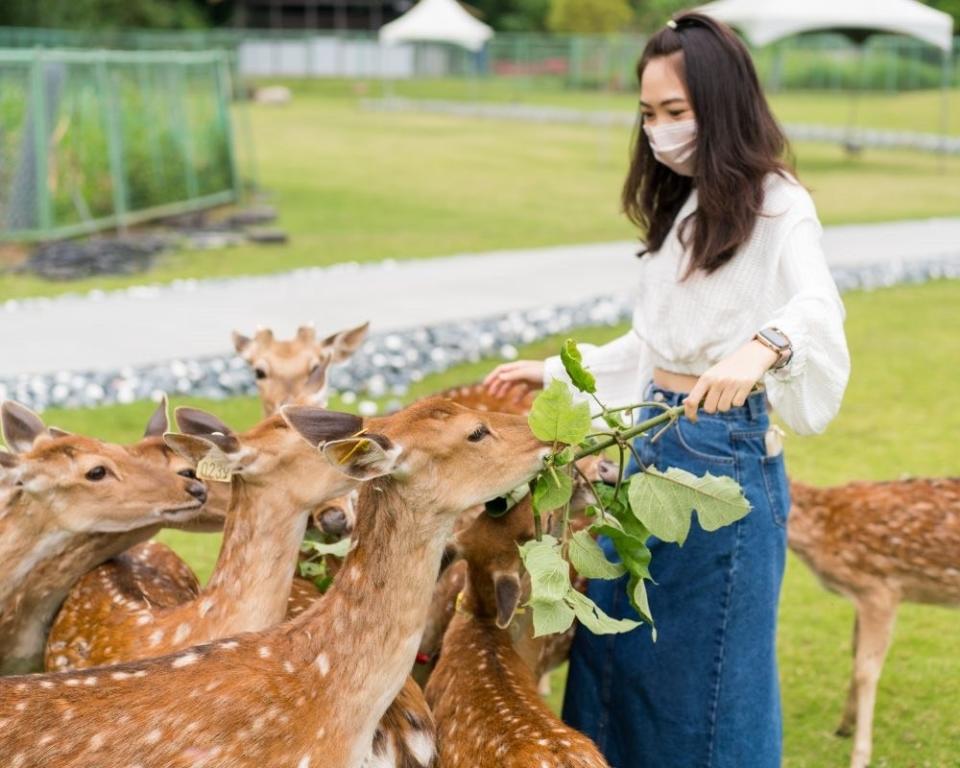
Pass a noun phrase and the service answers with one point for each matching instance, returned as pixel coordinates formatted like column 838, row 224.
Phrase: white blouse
column 779, row 278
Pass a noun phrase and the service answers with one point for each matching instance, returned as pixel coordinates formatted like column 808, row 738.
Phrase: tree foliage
column 109, row 14
column 589, row 17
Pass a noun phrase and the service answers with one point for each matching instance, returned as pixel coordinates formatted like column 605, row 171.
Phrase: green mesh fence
column 98, row 139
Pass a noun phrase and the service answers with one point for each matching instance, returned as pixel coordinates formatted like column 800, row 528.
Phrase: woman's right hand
column 520, row 376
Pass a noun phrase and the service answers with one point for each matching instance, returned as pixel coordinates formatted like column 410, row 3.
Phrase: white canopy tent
column 437, row 21
column 766, row 21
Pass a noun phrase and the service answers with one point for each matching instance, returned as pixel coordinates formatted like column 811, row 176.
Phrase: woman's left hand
column 729, row 382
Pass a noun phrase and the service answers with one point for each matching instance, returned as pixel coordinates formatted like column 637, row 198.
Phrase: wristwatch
column 776, row 340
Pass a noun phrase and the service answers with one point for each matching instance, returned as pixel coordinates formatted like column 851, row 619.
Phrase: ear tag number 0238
column 213, row 469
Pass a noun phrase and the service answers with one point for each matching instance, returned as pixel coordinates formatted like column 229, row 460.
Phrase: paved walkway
column 147, row 325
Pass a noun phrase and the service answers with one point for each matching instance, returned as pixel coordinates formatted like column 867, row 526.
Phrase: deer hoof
column 844, row 730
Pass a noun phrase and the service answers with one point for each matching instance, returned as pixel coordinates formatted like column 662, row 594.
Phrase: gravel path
column 473, row 304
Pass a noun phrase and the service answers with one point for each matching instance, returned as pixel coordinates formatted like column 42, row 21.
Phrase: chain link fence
column 103, row 139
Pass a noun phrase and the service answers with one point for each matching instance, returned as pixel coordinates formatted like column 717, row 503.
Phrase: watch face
column 775, row 337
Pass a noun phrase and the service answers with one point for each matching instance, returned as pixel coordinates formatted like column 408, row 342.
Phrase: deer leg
column 849, row 719
column 875, row 628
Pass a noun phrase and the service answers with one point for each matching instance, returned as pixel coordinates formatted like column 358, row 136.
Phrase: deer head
column 86, row 485
column 271, row 453
column 295, row 371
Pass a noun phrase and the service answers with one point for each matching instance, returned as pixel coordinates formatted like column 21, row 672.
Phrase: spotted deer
column 484, row 692
column 114, row 614
column 878, row 544
column 70, row 503
column 295, row 371
column 311, row 691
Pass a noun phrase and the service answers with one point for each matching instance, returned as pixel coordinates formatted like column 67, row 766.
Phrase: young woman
column 736, row 309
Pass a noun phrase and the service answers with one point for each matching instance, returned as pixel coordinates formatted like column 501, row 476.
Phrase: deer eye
column 188, row 473
column 96, row 474
column 260, row 373
column 478, row 434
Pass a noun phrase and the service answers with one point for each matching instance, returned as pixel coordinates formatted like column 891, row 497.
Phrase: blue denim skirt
column 706, row 693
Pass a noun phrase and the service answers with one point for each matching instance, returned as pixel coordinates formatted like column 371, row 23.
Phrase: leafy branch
column 650, row 503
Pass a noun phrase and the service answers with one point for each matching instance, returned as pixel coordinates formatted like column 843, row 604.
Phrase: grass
column 901, row 416
column 353, row 185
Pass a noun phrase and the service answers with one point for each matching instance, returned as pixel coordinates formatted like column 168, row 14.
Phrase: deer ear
column 318, row 425
column 193, row 421
column 21, row 426
column 159, row 423
column 344, row 343
column 307, row 334
column 363, row 458
column 211, row 462
column 451, row 554
column 506, row 590
column 241, row 342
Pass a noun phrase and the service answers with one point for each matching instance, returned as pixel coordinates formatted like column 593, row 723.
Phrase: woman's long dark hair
column 738, row 143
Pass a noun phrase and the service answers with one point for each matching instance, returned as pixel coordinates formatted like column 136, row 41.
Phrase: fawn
column 878, row 544
column 114, row 614
column 234, row 702
column 483, row 692
column 295, row 371
column 70, row 503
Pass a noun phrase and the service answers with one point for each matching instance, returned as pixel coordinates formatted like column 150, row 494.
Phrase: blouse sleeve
column 807, row 392
column 616, row 366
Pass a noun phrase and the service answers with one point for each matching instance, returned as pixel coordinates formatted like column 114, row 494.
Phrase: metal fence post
column 118, row 177
column 224, row 104
column 44, row 211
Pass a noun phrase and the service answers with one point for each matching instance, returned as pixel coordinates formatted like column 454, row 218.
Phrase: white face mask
column 674, row 145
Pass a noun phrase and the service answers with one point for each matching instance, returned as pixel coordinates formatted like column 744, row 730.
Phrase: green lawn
column 353, row 185
column 901, row 416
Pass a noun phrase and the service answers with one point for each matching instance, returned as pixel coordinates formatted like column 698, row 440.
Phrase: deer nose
column 333, row 520
column 608, row 471
column 198, row 490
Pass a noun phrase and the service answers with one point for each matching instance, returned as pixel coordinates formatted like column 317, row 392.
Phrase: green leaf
column 566, row 456
column 337, row 548
column 637, row 592
column 573, row 364
column 550, row 617
column 593, row 618
column 589, row 560
column 552, row 491
column 549, row 572
column 555, row 418
column 664, row 502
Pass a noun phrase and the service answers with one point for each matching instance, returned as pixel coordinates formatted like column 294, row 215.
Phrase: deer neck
column 42, row 562
column 250, row 585
column 361, row 640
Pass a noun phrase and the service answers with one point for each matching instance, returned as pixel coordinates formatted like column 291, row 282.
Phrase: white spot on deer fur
column 44, row 740
column 90, row 680
column 421, row 746
column 229, row 645
column 323, row 664
column 264, row 652
column 153, row 737
column 21, row 706
column 288, row 667
column 46, row 684
column 304, row 762
column 144, row 618
column 185, row 661
column 71, row 682
column 156, row 638
column 96, row 741
column 121, row 676
column 206, row 605
column 354, row 572
column 182, row 632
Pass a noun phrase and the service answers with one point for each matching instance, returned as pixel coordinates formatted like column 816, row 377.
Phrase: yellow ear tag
column 213, row 468
column 361, row 446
